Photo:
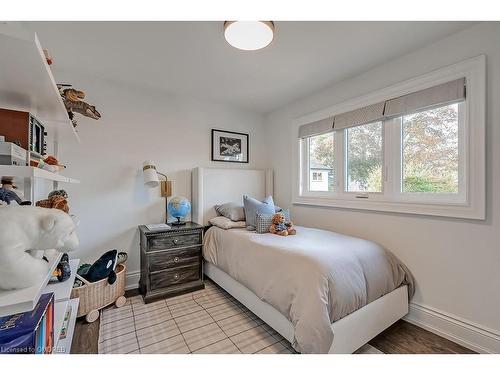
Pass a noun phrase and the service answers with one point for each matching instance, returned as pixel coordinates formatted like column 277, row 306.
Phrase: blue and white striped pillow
column 264, row 221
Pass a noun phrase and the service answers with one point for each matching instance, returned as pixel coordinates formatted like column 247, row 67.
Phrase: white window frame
column 469, row 203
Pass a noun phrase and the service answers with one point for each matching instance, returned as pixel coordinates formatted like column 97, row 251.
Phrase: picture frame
column 231, row 147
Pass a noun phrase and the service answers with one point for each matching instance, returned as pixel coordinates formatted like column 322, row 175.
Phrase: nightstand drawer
column 173, row 241
column 174, row 276
column 174, row 258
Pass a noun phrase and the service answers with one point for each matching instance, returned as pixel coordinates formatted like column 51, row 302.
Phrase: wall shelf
column 62, row 295
column 63, row 346
column 34, row 172
column 27, row 83
column 60, row 309
column 20, row 300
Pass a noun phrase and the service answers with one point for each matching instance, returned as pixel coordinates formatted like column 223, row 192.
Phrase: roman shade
column 446, row 93
column 365, row 115
column 436, row 96
column 316, row 128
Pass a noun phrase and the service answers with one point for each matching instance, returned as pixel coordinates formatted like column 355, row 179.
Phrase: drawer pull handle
column 175, row 240
column 176, row 259
column 176, row 276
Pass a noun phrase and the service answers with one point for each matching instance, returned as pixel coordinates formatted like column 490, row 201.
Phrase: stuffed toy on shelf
column 50, row 163
column 73, row 101
column 56, row 199
column 8, row 193
column 63, row 270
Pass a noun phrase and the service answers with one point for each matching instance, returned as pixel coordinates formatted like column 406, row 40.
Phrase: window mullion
column 339, row 163
column 392, row 158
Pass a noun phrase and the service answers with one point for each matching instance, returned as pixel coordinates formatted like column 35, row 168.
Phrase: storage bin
column 95, row 296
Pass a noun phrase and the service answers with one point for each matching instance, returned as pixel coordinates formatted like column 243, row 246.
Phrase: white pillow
column 225, row 223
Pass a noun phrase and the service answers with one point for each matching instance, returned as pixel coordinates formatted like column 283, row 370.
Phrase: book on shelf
column 157, row 227
column 30, row 332
column 65, row 326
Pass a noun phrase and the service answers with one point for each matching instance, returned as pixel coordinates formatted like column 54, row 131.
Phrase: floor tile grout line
column 223, row 302
column 135, row 331
column 168, row 338
column 148, row 312
column 120, row 335
column 114, row 321
column 115, row 327
column 216, row 342
column 183, row 338
column 276, row 342
column 222, row 329
column 258, row 325
column 192, row 329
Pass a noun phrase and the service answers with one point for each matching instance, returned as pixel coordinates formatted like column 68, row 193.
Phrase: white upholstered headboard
column 211, row 186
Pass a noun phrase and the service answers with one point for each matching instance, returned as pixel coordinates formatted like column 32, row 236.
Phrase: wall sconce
column 151, row 179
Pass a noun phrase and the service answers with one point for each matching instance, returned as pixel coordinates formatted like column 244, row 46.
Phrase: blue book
column 31, row 331
column 40, row 345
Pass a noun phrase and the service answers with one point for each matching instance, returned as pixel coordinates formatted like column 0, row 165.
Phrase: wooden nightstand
column 171, row 261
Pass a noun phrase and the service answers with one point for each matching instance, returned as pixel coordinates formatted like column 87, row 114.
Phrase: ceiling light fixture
column 249, row 35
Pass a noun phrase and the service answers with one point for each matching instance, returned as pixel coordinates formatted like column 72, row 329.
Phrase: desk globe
column 178, row 207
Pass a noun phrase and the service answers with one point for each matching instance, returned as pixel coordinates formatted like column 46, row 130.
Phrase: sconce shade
column 150, row 175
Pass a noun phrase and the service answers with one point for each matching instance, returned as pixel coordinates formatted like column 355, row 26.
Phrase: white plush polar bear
column 24, row 228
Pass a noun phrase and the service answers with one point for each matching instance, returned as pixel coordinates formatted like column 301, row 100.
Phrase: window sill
column 462, row 211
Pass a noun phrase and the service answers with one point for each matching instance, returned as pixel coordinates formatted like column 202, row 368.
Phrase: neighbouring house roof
column 315, row 165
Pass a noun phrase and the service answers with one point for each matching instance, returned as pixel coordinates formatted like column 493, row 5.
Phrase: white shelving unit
column 20, row 300
column 33, row 172
column 59, row 313
column 27, row 84
column 63, row 346
column 62, row 295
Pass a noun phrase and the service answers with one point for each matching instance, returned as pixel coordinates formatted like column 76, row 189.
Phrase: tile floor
column 208, row 321
column 205, row 321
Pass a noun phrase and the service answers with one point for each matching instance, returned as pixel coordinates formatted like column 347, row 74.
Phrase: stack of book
column 30, row 332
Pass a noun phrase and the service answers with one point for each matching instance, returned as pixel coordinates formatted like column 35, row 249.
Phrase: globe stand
column 178, row 222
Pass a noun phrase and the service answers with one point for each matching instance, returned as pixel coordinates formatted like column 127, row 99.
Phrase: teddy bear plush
column 280, row 226
column 27, row 228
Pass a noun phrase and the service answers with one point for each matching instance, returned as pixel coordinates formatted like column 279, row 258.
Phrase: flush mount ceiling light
column 249, row 35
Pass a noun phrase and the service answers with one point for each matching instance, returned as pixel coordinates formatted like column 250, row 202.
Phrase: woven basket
column 95, row 296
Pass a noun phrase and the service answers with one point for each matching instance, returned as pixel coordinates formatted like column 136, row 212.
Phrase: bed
column 320, row 297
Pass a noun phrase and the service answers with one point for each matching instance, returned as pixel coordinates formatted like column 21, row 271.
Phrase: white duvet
column 313, row 278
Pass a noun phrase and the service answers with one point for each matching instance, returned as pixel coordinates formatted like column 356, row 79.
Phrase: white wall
column 456, row 263
column 137, row 125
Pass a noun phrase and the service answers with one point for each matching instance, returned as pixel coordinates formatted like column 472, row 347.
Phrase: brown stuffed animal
column 280, row 226
column 55, row 201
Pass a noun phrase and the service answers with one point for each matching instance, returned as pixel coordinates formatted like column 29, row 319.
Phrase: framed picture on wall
column 229, row 146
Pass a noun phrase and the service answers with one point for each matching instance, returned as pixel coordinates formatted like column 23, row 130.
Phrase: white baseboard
column 468, row 334
column 132, row 280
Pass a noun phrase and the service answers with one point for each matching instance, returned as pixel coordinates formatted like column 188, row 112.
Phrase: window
column 430, row 151
column 364, row 158
column 321, row 162
column 419, row 152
